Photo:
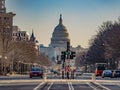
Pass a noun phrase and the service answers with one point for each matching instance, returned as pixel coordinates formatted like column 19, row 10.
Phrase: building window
column 24, row 34
column 5, row 18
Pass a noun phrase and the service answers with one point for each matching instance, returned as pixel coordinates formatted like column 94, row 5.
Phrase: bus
column 99, row 68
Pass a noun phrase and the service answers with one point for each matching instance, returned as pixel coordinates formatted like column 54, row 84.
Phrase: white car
column 79, row 72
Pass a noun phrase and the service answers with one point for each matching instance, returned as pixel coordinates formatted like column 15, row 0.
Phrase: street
column 59, row 86
column 59, row 45
column 84, row 82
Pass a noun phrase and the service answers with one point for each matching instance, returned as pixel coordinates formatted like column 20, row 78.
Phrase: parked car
column 116, row 73
column 107, row 73
column 79, row 72
column 36, row 72
column 54, row 71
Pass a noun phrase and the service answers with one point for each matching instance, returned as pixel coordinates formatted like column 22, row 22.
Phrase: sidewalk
column 14, row 75
column 56, row 80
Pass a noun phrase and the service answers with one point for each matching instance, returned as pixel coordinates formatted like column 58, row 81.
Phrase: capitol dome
column 60, row 36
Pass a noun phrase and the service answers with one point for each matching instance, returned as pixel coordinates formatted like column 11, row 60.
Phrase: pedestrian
column 67, row 71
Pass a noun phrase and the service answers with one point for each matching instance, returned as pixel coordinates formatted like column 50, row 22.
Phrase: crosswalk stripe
column 91, row 86
column 50, row 86
column 38, row 86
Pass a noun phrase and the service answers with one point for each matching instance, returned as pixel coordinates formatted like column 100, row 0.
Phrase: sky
column 81, row 17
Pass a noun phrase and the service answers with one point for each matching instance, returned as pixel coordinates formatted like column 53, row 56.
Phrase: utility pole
column 63, row 56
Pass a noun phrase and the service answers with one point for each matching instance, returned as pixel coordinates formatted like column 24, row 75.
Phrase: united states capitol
column 59, row 39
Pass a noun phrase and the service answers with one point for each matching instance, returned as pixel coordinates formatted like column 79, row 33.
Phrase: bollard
column 93, row 77
column 72, row 74
column 44, row 77
column 63, row 75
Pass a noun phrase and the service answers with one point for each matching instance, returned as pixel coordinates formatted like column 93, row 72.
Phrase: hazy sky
column 81, row 17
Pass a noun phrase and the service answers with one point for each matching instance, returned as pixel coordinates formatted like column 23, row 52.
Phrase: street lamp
column 4, row 70
column 0, row 56
column 108, row 64
column 20, row 67
column 0, row 64
column 116, row 66
column 5, row 57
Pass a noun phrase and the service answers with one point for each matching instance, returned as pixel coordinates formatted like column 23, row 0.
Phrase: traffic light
column 72, row 55
column 58, row 62
column 63, row 55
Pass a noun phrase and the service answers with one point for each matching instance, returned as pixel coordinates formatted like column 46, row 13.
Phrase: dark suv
column 36, row 72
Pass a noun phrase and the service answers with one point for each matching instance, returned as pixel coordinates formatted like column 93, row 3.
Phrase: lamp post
column 0, row 64
column 108, row 64
column 116, row 65
column 20, row 67
column 4, row 69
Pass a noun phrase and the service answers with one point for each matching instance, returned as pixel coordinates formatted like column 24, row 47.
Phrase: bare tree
column 106, row 45
column 5, row 40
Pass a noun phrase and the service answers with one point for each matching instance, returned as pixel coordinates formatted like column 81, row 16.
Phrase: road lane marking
column 103, row 86
column 92, row 86
column 50, row 86
column 38, row 86
column 70, row 86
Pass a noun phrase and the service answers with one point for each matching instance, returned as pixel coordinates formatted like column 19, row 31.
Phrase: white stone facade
column 52, row 53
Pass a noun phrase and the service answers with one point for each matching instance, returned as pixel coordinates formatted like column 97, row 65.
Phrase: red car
column 36, row 72
column 98, row 72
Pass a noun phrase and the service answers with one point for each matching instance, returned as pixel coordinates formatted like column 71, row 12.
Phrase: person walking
column 67, row 71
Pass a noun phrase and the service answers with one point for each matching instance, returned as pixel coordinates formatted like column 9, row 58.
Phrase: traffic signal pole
column 63, row 69
column 67, row 55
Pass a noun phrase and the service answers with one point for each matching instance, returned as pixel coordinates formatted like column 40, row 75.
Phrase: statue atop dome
column 60, row 20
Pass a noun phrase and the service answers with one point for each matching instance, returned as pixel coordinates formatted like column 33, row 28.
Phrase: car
column 54, row 71
column 116, row 73
column 36, row 72
column 107, row 73
column 79, row 72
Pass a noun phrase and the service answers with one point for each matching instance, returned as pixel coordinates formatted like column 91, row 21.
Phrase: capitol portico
column 59, row 40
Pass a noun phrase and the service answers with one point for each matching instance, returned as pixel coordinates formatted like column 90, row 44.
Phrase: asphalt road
column 68, row 86
column 59, row 86
column 111, row 86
